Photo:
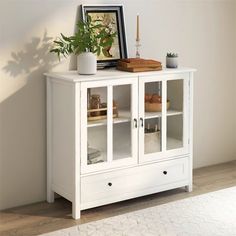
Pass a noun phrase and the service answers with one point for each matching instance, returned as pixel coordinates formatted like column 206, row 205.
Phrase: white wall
column 202, row 32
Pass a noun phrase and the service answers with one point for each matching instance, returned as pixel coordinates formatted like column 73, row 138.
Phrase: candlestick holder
column 137, row 45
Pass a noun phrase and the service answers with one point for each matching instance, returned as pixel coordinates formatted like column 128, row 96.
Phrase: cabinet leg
column 75, row 211
column 189, row 188
column 50, row 196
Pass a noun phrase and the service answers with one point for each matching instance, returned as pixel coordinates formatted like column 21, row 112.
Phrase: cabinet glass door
column 150, row 119
column 96, row 125
column 109, row 130
column 175, row 114
column 153, row 117
column 122, row 122
column 163, row 117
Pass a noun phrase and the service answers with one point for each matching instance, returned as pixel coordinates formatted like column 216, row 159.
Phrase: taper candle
column 137, row 36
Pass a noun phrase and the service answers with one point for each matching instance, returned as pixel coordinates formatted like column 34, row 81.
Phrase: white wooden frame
column 164, row 153
column 109, row 164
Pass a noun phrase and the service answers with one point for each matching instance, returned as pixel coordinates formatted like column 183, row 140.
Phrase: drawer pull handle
column 135, row 123
column 165, row 172
column 110, row 184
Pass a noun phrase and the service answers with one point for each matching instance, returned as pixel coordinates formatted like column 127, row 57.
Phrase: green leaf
column 65, row 38
column 59, row 43
column 91, row 36
column 98, row 51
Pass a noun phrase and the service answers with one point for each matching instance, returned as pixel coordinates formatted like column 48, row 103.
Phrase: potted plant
column 91, row 38
column 172, row 60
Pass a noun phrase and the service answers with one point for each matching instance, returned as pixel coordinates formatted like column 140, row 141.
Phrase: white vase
column 171, row 62
column 87, row 63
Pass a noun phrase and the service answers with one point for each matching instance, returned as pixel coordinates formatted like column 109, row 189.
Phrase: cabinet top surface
column 73, row 76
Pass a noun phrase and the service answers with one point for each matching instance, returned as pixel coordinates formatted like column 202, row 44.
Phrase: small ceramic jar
column 171, row 62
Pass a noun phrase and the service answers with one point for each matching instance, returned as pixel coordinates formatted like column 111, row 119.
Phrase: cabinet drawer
column 118, row 184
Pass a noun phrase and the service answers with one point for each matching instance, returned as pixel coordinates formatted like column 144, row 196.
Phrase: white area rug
column 211, row 214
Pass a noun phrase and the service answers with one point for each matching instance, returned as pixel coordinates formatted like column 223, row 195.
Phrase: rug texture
column 211, row 214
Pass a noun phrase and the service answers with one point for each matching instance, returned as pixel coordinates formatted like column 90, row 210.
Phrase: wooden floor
column 42, row 217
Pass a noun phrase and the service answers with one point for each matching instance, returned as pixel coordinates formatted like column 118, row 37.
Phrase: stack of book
column 94, row 156
column 138, row 65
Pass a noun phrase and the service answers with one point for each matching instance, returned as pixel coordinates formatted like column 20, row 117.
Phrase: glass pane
column 174, row 132
column 122, row 102
column 153, row 102
column 153, row 108
column 175, row 114
column 152, row 136
column 175, row 95
column 122, row 139
column 97, row 125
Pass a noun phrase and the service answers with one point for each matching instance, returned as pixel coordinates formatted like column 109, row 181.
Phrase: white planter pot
column 87, row 63
column 171, row 62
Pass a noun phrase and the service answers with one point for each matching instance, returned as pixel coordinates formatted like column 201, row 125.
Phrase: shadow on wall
column 23, row 125
column 23, row 122
column 35, row 56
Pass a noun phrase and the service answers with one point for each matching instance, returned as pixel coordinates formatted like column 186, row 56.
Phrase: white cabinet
column 117, row 135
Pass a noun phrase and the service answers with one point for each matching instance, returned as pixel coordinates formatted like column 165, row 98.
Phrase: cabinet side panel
column 191, row 131
column 63, row 139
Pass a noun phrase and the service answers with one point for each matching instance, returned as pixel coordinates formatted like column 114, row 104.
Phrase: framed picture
column 112, row 16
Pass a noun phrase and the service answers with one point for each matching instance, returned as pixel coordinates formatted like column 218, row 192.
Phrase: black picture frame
column 121, row 45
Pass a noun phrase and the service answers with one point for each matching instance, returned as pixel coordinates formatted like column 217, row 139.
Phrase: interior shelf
column 150, row 115
column 124, row 116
